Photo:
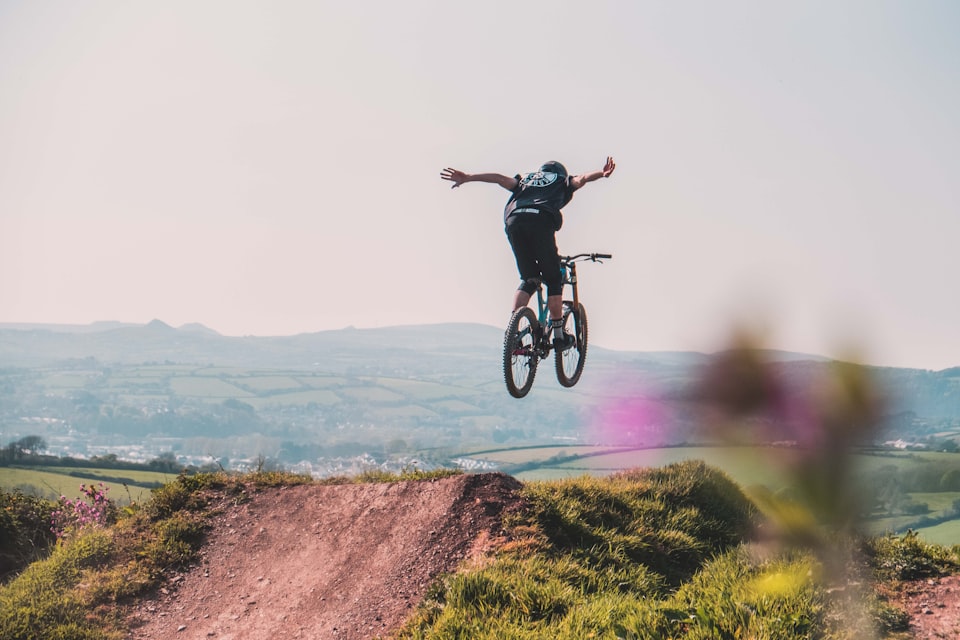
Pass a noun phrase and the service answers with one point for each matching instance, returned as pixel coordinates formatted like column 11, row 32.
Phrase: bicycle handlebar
column 595, row 257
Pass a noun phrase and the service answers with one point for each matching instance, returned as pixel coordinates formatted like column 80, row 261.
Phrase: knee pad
column 529, row 286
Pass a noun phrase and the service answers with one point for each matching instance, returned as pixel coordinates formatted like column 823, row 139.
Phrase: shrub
column 176, row 540
column 24, row 530
column 180, row 494
column 63, row 597
column 907, row 557
column 43, row 603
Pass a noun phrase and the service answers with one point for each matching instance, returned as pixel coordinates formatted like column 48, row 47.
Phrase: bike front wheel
column 520, row 352
column 570, row 361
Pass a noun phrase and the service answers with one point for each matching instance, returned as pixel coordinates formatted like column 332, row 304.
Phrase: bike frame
column 528, row 338
column 568, row 270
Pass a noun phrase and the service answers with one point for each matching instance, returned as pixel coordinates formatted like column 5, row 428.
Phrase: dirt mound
column 346, row 562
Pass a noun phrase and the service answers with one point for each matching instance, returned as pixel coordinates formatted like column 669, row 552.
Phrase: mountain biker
column 531, row 219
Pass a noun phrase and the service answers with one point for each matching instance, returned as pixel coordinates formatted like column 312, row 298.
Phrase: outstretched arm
column 459, row 177
column 584, row 178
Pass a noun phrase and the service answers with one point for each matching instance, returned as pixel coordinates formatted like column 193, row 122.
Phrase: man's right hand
column 454, row 176
column 459, row 177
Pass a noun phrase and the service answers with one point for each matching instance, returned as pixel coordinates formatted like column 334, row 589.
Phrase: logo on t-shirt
column 538, row 179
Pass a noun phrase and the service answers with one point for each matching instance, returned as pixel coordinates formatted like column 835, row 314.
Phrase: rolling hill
column 411, row 389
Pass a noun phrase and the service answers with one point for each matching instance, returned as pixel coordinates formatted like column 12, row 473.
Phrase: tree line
column 28, row 451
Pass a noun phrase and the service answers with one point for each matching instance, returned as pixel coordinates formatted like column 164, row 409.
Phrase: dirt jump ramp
column 343, row 562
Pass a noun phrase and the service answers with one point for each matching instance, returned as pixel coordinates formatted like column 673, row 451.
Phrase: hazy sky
column 272, row 168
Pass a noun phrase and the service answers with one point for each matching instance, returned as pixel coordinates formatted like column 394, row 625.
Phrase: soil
column 344, row 562
column 351, row 562
column 933, row 606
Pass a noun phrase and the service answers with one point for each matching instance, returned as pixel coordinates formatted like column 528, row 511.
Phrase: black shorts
column 534, row 244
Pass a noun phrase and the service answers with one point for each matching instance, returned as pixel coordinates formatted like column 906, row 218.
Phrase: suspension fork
column 573, row 284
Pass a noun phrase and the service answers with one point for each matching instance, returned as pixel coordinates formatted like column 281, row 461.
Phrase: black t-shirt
column 548, row 192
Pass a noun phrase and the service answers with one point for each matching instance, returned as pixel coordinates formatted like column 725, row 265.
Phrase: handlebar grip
column 606, row 256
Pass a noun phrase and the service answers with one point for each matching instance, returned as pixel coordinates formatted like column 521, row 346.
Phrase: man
column 531, row 219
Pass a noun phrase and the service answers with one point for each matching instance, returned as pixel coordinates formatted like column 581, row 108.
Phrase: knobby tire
column 520, row 352
column 569, row 363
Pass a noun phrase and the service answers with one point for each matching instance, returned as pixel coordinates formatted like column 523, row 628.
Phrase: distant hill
column 39, row 345
column 124, row 343
column 460, row 356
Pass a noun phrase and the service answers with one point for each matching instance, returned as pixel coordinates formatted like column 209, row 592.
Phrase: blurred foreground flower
column 818, row 417
column 816, row 414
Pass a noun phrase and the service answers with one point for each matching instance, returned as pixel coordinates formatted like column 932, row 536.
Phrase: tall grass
column 595, row 558
column 661, row 553
column 44, row 602
column 73, row 594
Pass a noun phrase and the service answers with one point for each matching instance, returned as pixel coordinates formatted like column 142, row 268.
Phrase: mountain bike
column 528, row 338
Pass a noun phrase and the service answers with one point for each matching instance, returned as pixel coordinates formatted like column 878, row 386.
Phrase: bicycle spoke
column 569, row 363
column 519, row 352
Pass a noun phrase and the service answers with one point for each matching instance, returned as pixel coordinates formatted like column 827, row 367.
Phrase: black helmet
column 554, row 167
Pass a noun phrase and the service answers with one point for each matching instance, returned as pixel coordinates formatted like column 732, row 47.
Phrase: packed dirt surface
column 344, row 562
column 933, row 606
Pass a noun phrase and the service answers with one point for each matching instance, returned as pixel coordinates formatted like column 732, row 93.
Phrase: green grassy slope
column 654, row 553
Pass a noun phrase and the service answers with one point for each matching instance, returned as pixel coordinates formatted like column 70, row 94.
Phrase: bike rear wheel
column 520, row 352
column 570, row 361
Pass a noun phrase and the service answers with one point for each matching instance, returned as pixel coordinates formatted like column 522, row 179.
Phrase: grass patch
column 653, row 554
column 376, row 475
column 74, row 593
column 46, row 600
column 588, row 555
column 735, row 597
column 908, row 557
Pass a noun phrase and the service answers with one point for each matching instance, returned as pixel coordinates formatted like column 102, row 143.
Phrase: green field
column 67, row 381
column 203, row 387
column 321, row 382
column 422, row 390
column 372, row 394
column 262, row 384
column 946, row 534
column 521, row 455
column 748, row 466
column 904, row 459
column 56, row 481
column 405, row 411
column 456, row 406
column 323, row 397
